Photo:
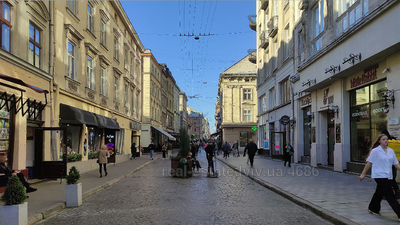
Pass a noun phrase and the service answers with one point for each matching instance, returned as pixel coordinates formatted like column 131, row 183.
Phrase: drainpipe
column 53, row 137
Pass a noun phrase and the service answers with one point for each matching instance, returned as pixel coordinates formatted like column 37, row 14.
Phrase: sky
column 167, row 28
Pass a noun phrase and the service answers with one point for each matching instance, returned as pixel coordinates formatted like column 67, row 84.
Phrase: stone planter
column 177, row 172
column 14, row 214
column 73, row 195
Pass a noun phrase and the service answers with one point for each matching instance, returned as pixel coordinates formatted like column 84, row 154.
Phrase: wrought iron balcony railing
column 253, row 22
column 264, row 39
column 273, row 26
column 264, row 4
column 252, row 55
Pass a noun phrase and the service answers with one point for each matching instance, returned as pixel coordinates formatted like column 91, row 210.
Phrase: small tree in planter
column 73, row 189
column 15, row 210
column 180, row 167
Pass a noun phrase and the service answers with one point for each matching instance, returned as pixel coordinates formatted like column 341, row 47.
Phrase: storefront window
column 4, row 133
column 367, row 120
column 245, row 136
column 94, row 138
column 307, row 131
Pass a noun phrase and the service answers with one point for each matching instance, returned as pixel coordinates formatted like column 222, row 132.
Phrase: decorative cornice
column 117, row 71
column 105, row 60
column 92, row 48
column 71, row 29
column 104, row 16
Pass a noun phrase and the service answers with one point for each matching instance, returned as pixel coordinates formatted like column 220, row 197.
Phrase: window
column 246, row 115
column 275, row 59
column 116, row 48
column 5, row 23
column 90, row 18
column 246, row 94
column 71, row 60
column 349, row 12
column 131, row 64
column 126, row 58
column 264, row 103
column 103, row 81
column 286, row 43
column 116, row 89
column 132, row 101
column 102, row 33
column 72, row 6
column 90, row 73
column 137, row 105
column 126, row 95
column 271, row 98
column 285, row 91
column 34, row 45
column 318, row 25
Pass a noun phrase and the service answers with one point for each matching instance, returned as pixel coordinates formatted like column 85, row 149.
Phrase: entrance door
column 277, row 144
column 331, row 137
column 50, row 169
column 136, row 139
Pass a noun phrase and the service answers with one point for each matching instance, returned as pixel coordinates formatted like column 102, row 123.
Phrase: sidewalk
column 50, row 196
column 338, row 197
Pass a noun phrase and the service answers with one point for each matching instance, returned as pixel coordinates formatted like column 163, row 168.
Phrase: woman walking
column 288, row 153
column 381, row 159
column 103, row 159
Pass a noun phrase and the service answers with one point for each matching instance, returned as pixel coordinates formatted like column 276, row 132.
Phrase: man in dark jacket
column 8, row 172
column 251, row 147
column 151, row 147
column 210, row 154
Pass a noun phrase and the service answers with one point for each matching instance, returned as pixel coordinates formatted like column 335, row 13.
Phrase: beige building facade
column 237, row 94
column 26, row 81
column 97, row 79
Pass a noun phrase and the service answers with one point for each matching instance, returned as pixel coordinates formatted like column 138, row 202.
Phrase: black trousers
column 251, row 157
column 23, row 180
column 288, row 158
column 105, row 167
column 210, row 164
column 384, row 188
column 133, row 155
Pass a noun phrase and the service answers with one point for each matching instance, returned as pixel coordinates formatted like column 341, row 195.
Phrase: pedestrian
column 133, row 151
column 210, row 149
column 395, row 187
column 251, row 147
column 381, row 158
column 235, row 148
column 288, row 153
column 226, row 148
column 169, row 150
column 164, row 151
column 103, row 159
column 151, row 148
column 9, row 172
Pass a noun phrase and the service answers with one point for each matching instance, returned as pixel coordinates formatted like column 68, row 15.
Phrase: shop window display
column 4, row 133
column 367, row 118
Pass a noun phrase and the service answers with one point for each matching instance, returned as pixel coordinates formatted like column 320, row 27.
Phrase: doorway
column 278, row 140
column 331, row 137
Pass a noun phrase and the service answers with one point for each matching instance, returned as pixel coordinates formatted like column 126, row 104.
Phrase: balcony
column 252, row 55
column 264, row 39
column 264, row 4
column 273, row 26
column 253, row 22
column 303, row 4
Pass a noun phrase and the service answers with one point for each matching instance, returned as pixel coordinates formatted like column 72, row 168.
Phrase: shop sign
column 363, row 114
column 110, row 143
column 338, row 133
column 378, row 110
column 313, row 138
column 327, row 99
column 285, row 120
column 393, row 121
column 306, row 101
column 368, row 76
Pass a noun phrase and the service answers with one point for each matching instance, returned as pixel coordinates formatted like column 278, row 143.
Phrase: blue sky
column 195, row 64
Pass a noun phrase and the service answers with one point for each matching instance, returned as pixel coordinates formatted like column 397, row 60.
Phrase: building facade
column 238, row 103
column 345, row 90
column 97, row 78
column 25, row 58
column 274, row 24
column 183, row 110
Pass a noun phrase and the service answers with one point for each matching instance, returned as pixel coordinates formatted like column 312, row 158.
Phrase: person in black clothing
column 210, row 154
column 288, row 153
column 151, row 148
column 251, row 147
column 133, row 151
column 395, row 187
column 9, row 172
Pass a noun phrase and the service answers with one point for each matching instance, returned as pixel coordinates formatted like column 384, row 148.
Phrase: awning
column 215, row 134
column 170, row 137
column 72, row 115
column 106, row 122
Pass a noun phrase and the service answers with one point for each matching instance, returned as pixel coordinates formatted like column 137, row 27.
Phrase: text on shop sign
column 368, row 76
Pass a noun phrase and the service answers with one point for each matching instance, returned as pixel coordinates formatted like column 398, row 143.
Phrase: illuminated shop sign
column 363, row 114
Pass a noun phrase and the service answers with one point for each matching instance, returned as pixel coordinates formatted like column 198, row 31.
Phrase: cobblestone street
column 151, row 196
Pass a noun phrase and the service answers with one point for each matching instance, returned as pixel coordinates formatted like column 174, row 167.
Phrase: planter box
column 14, row 214
column 73, row 195
column 177, row 172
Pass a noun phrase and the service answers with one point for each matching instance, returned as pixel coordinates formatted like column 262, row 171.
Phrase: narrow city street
column 151, row 196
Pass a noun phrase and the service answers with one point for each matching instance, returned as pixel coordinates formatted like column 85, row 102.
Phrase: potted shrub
column 73, row 188
column 15, row 210
column 180, row 166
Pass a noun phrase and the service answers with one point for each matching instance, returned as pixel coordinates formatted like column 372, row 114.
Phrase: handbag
column 97, row 160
